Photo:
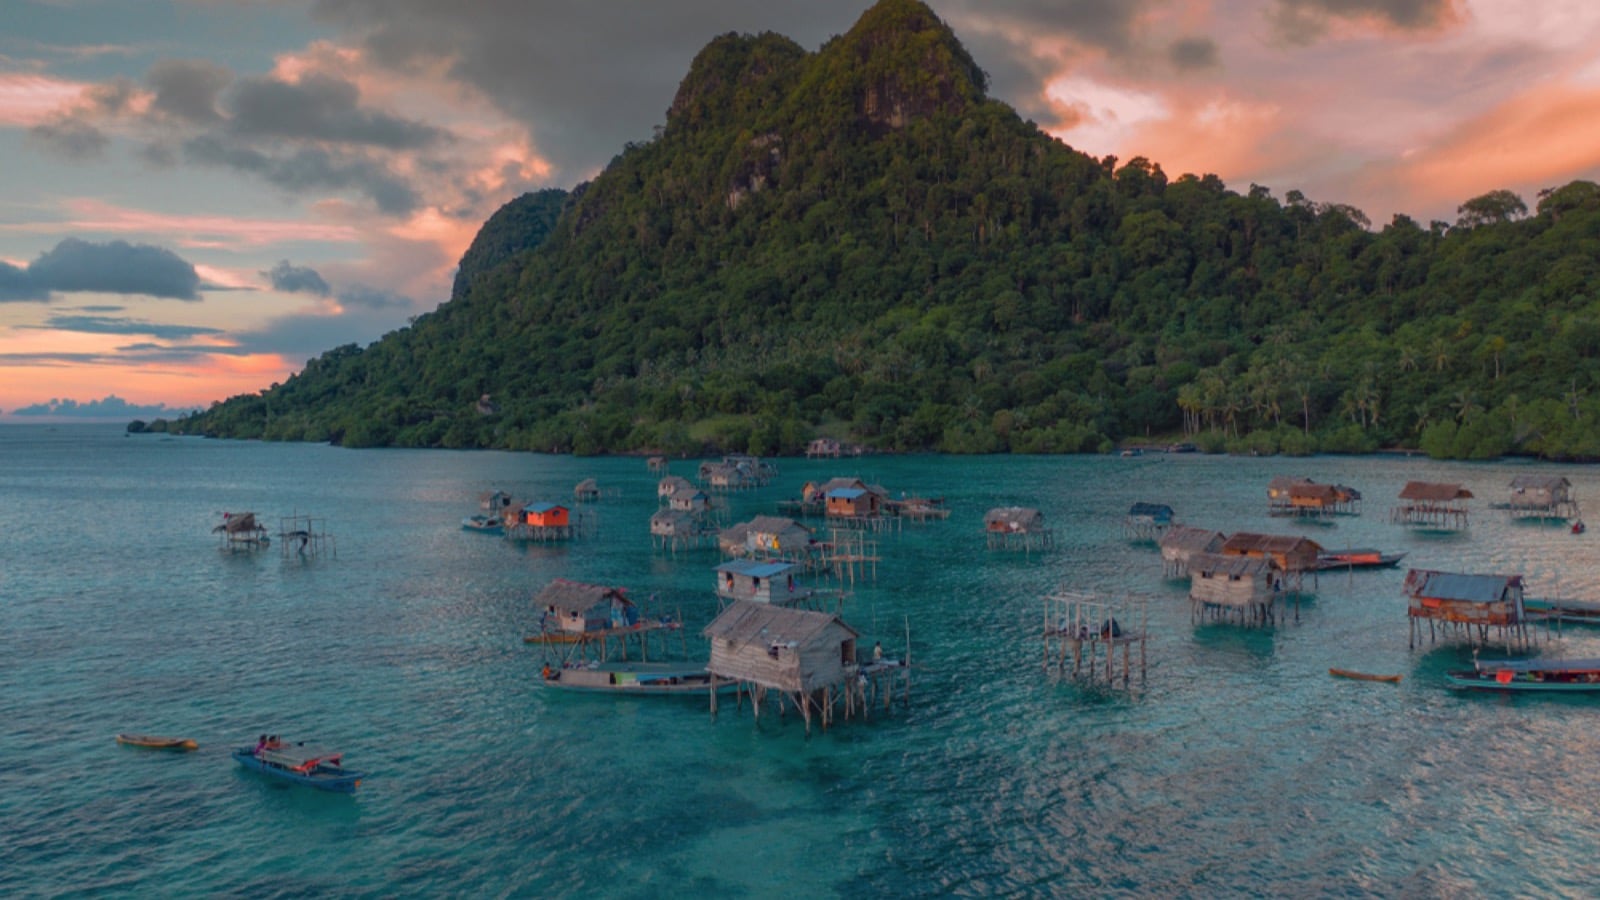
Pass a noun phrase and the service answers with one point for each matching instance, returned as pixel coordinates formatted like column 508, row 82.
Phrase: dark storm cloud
column 71, row 137
column 309, row 169
column 585, row 78
column 296, row 279
column 321, row 108
column 188, row 89
column 121, row 325
column 114, row 268
column 1193, row 53
column 18, row 285
column 1303, row 21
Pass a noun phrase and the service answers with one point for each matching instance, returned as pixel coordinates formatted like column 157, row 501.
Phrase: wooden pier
column 305, row 537
column 1087, row 626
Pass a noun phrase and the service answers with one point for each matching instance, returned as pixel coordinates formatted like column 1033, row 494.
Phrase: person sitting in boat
column 261, row 744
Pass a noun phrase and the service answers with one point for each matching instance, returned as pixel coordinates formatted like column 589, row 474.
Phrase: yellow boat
column 156, row 742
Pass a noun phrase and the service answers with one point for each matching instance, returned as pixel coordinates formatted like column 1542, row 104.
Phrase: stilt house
column 1541, row 495
column 1287, row 553
column 1223, row 587
column 1432, row 504
column 761, row 582
column 1148, row 520
column 823, row 447
column 1181, row 542
column 587, row 490
column 808, row 656
column 572, row 607
column 671, row 484
column 1467, row 604
column 1015, row 526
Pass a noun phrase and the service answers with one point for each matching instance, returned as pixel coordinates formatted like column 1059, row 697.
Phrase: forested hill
column 859, row 243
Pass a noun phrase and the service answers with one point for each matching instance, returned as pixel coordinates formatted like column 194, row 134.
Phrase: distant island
column 859, row 243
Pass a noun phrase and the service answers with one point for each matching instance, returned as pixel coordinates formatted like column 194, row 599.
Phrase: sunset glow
column 322, row 192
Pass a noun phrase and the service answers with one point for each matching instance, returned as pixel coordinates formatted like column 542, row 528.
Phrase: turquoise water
column 1239, row 767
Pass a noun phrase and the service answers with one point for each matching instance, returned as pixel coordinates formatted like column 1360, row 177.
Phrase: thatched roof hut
column 671, row 484
column 1286, row 553
column 1013, row 520
column 777, row 536
column 1235, row 582
column 587, row 489
column 778, row 648
column 1433, row 504
column 1540, row 492
column 577, row 608
column 674, row 523
column 1182, row 541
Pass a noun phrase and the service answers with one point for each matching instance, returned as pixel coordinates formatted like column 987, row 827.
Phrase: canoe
column 1358, row 559
column 1363, row 676
column 635, row 678
column 1570, row 676
column 301, row 765
column 156, row 742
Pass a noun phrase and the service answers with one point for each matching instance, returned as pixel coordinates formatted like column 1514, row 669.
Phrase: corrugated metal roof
column 1153, row 510
column 847, row 493
column 1465, row 588
column 756, row 568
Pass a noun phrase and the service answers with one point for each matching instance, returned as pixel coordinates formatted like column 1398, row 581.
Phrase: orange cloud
column 84, row 214
column 1542, row 138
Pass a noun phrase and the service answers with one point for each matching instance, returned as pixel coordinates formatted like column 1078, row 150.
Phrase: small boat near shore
column 1574, row 676
column 1364, row 676
column 321, row 769
column 157, row 742
column 633, row 678
column 1357, row 559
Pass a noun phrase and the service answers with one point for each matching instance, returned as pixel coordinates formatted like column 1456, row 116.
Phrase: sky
column 198, row 196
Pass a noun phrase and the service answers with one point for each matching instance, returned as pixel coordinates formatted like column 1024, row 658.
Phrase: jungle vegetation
column 858, row 242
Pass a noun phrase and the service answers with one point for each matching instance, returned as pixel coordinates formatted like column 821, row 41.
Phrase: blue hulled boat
column 309, row 766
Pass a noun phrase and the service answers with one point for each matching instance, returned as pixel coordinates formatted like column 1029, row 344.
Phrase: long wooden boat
column 157, row 742
column 1358, row 559
column 1363, row 676
column 1573, row 676
column 634, row 678
column 1561, row 610
column 302, row 765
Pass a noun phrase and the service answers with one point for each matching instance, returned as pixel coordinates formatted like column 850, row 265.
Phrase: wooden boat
column 1573, row 676
column 157, row 742
column 1363, row 676
column 483, row 524
column 309, row 766
column 634, row 678
column 1586, row 612
column 1358, row 559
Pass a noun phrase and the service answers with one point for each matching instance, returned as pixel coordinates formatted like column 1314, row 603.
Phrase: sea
column 1234, row 765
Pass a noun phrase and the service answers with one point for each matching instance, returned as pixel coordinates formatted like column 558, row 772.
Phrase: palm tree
column 1439, row 352
column 1465, row 405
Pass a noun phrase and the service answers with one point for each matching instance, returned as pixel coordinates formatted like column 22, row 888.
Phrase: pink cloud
column 86, row 214
column 27, row 100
